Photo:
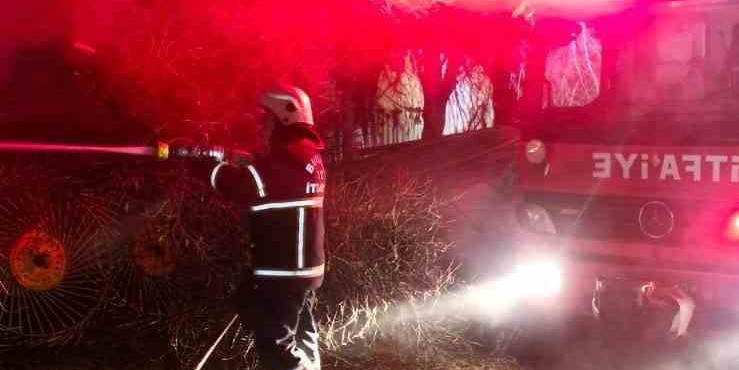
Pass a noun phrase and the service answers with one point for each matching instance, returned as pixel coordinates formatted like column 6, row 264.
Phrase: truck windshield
column 672, row 81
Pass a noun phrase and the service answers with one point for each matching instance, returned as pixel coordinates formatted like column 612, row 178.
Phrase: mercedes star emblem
column 656, row 219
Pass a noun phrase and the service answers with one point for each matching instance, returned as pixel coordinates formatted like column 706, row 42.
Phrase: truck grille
column 609, row 218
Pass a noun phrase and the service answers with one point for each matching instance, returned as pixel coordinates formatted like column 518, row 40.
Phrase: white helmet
column 289, row 104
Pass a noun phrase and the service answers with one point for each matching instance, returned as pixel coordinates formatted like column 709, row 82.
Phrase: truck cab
column 629, row 158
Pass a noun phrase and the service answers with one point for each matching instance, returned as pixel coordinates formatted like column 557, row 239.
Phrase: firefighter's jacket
column 283, row 196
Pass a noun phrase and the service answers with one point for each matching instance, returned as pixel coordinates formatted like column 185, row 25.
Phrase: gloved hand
column 238, row 157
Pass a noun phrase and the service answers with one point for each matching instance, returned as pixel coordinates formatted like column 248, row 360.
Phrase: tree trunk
column 434, row 111
column 437, row 88
column 503, row 94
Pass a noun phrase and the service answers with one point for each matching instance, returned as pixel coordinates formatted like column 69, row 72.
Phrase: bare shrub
column 390, row 270
column 384, row 238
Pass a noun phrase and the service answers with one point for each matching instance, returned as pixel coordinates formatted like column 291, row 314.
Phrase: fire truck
column 631, row 184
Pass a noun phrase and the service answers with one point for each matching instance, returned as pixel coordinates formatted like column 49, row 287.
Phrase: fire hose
column 215, row 344
column 160, row 151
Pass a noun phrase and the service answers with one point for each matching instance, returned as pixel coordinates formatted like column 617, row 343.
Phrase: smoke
column 206, row 60
column 26, row 21
column 566, row 8
column 36, row 22
column 33, row 21
column 101, row 23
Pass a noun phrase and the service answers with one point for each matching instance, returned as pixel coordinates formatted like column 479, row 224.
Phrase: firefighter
column 281, row 190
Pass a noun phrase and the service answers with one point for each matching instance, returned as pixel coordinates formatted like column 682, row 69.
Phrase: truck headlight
column 539, row 279
column 536, row 218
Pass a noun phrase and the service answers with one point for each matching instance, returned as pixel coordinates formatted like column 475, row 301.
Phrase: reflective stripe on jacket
column 283, row 196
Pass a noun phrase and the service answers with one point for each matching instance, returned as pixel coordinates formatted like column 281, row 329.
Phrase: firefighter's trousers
column 285, row 332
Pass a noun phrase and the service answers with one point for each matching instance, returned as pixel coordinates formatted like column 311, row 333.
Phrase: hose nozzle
column 166, row 151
